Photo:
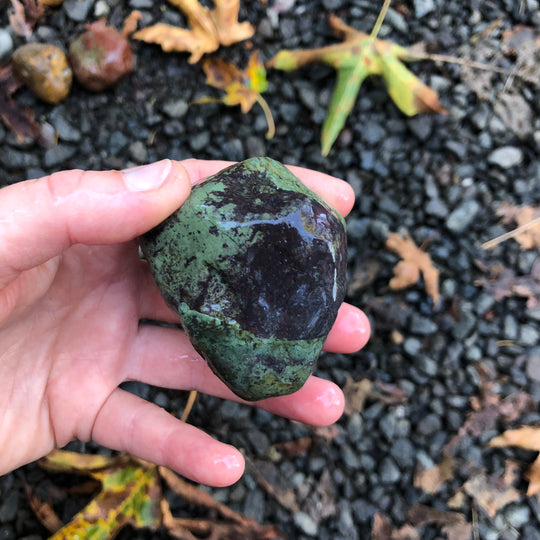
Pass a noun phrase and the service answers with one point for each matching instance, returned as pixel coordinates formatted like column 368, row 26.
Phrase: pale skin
column 72, row 293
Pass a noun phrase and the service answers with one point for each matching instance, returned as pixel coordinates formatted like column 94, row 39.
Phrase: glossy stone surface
column 101, row 57
column 254, row 263
column 44, row 69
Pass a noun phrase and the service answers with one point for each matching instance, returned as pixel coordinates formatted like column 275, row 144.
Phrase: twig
column 490, row 244
column 268, row 115
column 419, row 55
column 189, row 405
column 380, row 19
column 476, row 535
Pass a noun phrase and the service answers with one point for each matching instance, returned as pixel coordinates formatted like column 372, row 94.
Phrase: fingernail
column 147, row 177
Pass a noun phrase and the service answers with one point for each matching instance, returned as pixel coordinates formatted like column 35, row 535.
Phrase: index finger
column 337, row 193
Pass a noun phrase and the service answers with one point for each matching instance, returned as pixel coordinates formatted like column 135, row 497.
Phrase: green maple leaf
column 358, row 56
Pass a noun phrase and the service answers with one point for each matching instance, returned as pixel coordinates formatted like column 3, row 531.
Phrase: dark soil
column 439, row 178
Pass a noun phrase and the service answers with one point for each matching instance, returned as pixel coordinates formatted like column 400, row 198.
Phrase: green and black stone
column 254, row 263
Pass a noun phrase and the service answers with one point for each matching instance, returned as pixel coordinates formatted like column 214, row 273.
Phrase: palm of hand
column 72, row 293
column 83, row 310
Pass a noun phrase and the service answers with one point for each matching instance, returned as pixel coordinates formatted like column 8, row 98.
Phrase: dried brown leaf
column 458, row 531
column 356, row 393
column 131, row 22
column 382, row 530
column 528, row 438
column 321, row 504
column 234, row 525
column 388, row 393
column 43, row 510
column 364, row 274
column 523, row 42
column 488, row 409
column 290, row 449
column 491, row 492
column 18, row 119
column 453, row 524
column 430, row 480
column 415, row 261
column 24, row 16
column 528, row 233
column 208, row 29
column 504, row 283
column 420, row 514
column 269, row 478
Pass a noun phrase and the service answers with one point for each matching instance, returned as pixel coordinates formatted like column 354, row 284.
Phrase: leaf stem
column 380, row 19
column 268, row 114
column 189, row 405
column 510, row 234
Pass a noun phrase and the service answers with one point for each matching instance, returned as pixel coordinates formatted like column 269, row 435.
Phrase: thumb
column 41, row 218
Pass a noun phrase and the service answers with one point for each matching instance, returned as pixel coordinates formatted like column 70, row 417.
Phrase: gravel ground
column 439, row 178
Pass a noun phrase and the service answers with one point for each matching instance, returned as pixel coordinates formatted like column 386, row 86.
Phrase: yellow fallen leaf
column 242, row 88
column 130, row 494
column 209, row 28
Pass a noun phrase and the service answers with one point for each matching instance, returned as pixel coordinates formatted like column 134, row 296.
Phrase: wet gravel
column 439, row 178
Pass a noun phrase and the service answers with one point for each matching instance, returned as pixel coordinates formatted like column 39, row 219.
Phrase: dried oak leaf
column 232, row 524
column 523, row 42
column 493, row 492
column 453, row 524
column 527, row 219
column 430, row 480
column 356, row 393
column 488, row 409
column 415, row 262
column 528, row 438
column 210, row 28
column 382, row 530
column 504, row 283
column 19, row 120
column 24, row 16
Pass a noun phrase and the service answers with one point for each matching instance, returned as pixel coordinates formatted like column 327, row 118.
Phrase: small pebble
column 423, row 7
column 44, row 69
column 506, row 157
column 463, row 216
column 389, row 472
column 176, row 108
column 6, row 45
column 78, row 10
column 306, row 524
column 533, row 364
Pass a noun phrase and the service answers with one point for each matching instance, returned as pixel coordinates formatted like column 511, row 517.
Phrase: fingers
column 41, row 218
column 350, row 331
column 337, row 193
column 128, row 423
column 165, row 357
column 318, row 403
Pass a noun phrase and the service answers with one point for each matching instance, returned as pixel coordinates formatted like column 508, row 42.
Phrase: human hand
column 72, row 293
